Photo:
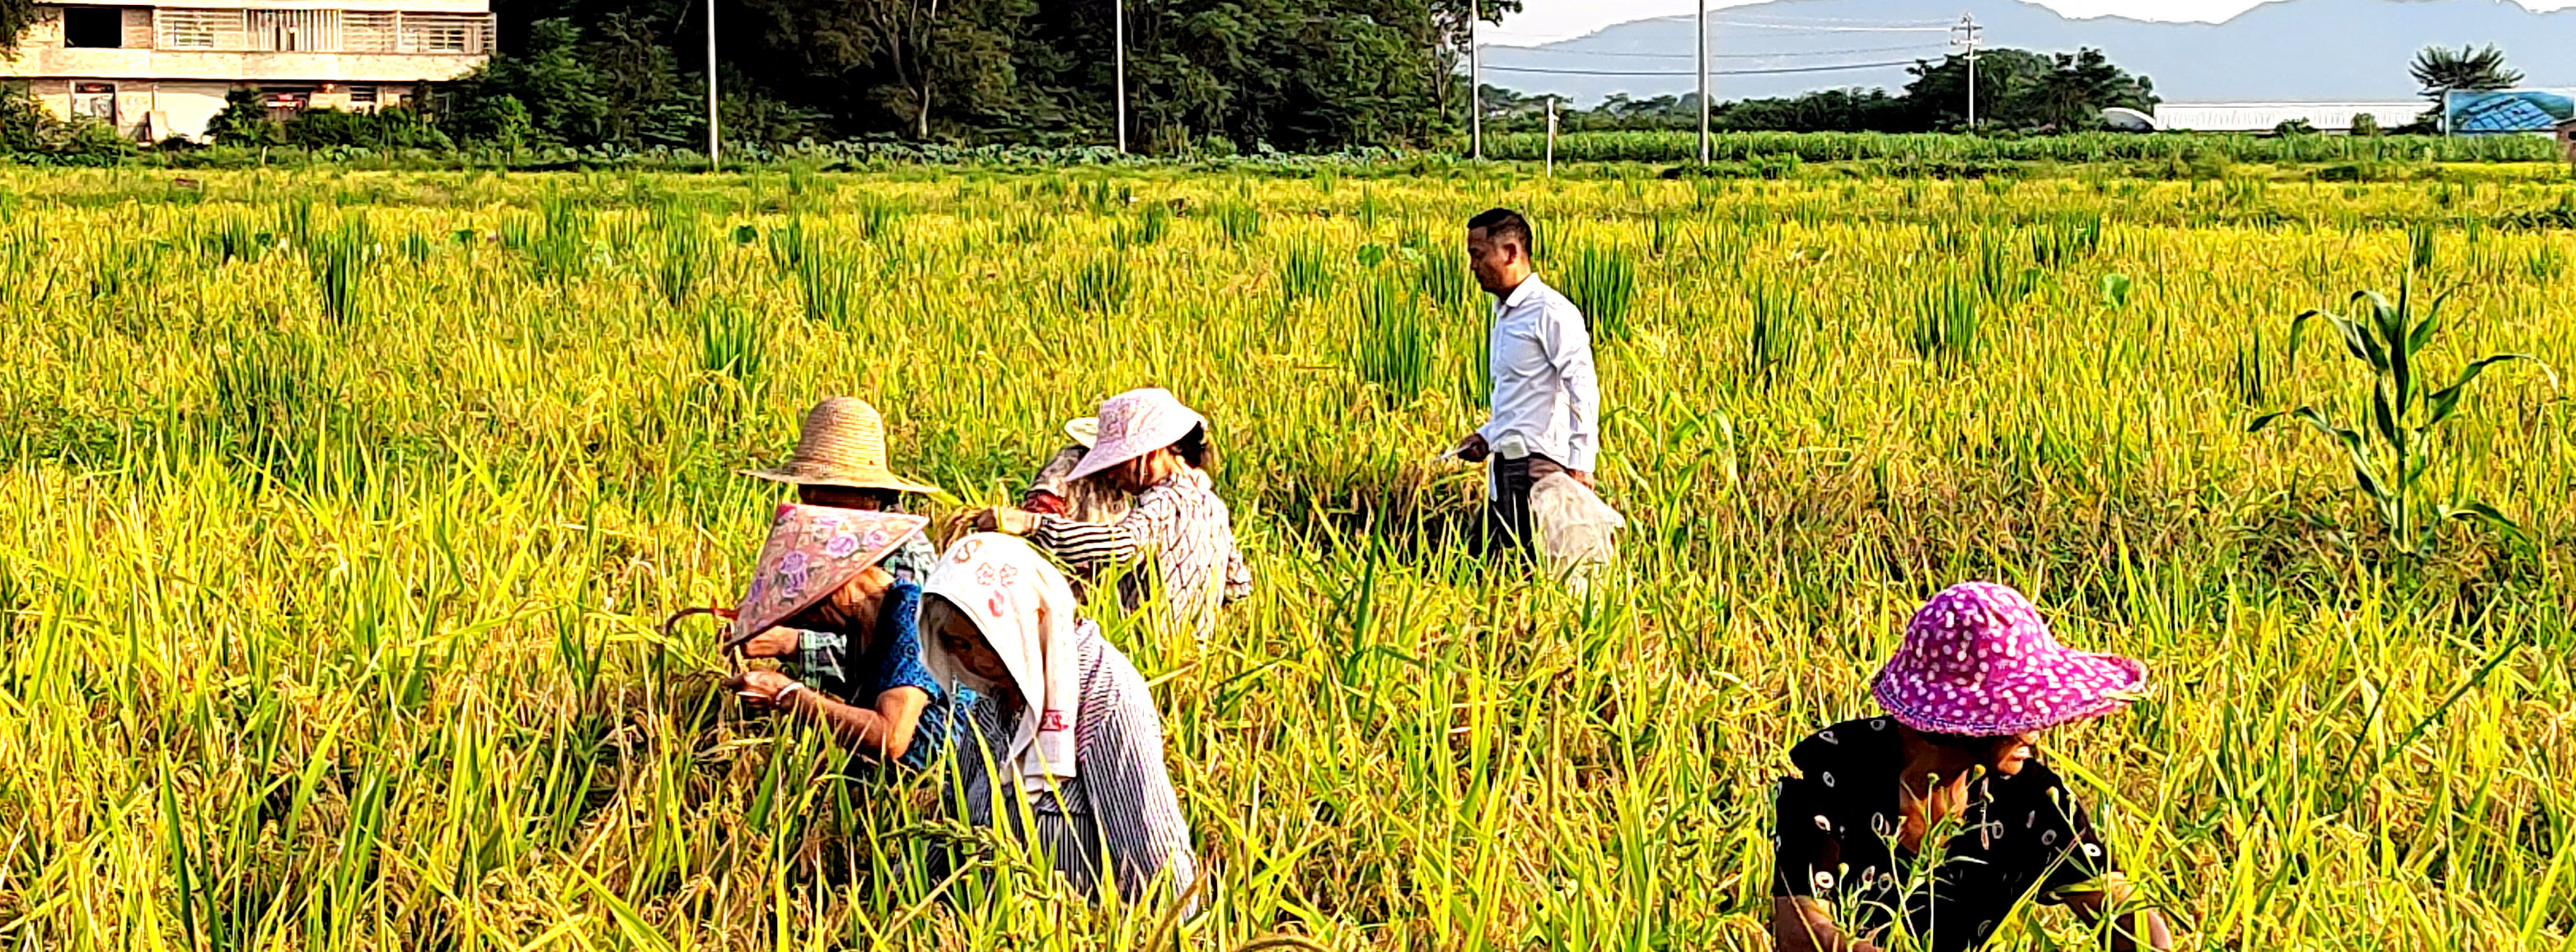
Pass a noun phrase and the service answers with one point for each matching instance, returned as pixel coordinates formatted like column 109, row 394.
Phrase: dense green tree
column 2024, row 90
column 16, row 16
column 2439, row 72
column 245, row 121
column 552, row 83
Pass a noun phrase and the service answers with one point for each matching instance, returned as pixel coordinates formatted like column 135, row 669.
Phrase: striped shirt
column 1182, row 529
column 1119, row 814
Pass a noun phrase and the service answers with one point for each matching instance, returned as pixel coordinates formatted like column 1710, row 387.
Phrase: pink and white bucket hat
column 1978, row 661
column 812, row 551
column 1133, row 424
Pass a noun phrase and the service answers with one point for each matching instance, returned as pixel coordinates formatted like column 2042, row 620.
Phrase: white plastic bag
column 1577, row 532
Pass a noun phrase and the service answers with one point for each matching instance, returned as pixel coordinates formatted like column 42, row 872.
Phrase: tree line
column 2017, row 91
column 1201, row 75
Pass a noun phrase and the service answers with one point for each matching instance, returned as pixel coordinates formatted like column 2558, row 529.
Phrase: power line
column 1835, row 29
column 1774, row 55
column 1730, row 72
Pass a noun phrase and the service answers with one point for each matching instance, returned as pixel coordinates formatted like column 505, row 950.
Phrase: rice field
column 338, row 511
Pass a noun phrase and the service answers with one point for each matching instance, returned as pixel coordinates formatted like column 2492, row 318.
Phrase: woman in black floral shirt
column 1936, row 821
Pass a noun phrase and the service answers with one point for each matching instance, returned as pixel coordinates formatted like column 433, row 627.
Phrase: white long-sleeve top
column 1544, row 388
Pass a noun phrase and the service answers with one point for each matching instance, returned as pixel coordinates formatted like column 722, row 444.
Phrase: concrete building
column 2567, row 138
column 157, row 71
column 2265, row 116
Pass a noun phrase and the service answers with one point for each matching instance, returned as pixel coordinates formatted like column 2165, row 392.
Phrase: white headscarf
column 1027, row 611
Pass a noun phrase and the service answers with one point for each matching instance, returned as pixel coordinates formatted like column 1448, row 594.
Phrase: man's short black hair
column 1503, row 224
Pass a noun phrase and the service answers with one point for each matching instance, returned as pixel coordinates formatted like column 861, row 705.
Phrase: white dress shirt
column 1544, row 389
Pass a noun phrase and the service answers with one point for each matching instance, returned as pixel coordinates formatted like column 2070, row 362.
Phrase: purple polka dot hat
column 812, row 551
column 1978, row 661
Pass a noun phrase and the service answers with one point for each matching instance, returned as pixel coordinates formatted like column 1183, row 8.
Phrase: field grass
column 337, row 512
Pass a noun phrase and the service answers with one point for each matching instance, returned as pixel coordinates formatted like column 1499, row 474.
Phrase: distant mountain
column 2292, row 50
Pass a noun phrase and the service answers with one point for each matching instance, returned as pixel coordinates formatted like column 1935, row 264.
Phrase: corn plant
column 2393, row 449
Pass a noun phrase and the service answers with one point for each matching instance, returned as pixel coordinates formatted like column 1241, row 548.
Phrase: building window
column 94, row 101
column 295, row 31
column 94, row 27
column 196, row 29
column 448, row 33
column 362, row 95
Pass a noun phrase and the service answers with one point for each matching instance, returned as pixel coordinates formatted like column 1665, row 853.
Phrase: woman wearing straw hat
column 840, row 462
column 1065, row 751
column 1056, row 493
column 1150, row 445
column 820, row 594
column 1937, row 820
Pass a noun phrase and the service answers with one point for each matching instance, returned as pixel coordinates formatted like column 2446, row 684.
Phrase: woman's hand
column 1006, row 520
column 774, row 643
column 767, row 690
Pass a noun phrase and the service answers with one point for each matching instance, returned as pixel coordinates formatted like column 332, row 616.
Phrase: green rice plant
column 338, row 261
column 1395, row 346
column 2546, row 264
column 2000, row 272
column 877, row 219
column 1779, row 327
column 22, row 257
column 1945, row 325
column 122, row 265
column 2065, row 239
column 1100, row 286
column 417, row 248
column 1240, row 222
column 1030, row 227
column 234, row 236
column 688, row 252
column 2250, row 376
column 2393, row 449
column 1601, row 282
column 565, row 250
column 828, row 281
column 1445, row 277
column 1304, row 271
column 270, row 404
column 1150, row 226
column 733, row 345
column 787, row 245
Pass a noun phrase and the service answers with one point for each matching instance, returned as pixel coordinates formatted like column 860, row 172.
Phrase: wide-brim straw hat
column 811, row 552
column 1083, row 430
column 1133, row 424
column 1978, row 661
column 843, row 444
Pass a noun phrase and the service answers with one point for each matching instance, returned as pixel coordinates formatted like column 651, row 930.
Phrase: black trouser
column 1507, row 515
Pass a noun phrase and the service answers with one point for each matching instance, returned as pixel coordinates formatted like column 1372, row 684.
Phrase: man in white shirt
column 1547, row 402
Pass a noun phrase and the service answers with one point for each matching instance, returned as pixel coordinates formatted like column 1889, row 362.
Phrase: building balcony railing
column 323, row 31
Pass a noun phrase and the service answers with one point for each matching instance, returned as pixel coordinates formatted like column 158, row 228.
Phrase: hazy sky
column 1543, row 21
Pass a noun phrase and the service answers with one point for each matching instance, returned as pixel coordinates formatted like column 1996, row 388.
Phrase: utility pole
column 1969, row 32
column 1703, row 82
column 713, row 138
column 1475, row 80
column 1119, row 14
column 1551, row 136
